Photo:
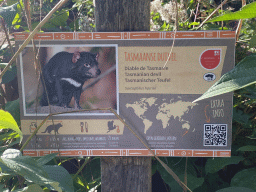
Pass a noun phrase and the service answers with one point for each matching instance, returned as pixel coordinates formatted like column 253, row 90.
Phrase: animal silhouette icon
column 111, row 126
column 51, row 128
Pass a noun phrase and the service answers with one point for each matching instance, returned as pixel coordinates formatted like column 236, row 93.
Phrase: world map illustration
column 166, row 110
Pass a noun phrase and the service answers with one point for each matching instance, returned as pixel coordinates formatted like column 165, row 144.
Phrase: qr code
column 215, row 134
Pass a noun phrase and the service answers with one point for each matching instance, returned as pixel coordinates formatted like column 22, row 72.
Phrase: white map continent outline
column 165, row 111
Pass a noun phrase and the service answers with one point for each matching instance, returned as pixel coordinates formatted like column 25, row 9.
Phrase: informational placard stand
column 147, row 84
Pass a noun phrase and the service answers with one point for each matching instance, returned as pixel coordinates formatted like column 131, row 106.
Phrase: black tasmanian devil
column 64, row 76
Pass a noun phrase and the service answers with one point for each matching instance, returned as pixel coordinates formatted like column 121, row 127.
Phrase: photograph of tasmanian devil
column 64, row 75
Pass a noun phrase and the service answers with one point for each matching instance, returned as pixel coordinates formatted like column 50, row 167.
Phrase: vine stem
column 6, row 35
column 28, row 16
column 81, row 168
column 239, row 27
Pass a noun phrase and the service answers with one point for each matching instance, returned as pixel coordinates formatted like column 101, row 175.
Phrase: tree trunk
column 124, row 173
column 122, row 15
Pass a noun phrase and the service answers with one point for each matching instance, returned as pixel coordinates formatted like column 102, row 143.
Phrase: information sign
column 146, row 80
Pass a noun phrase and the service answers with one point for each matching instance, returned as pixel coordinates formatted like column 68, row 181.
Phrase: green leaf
column 253, row 136
column 13, row 107
column 241, row 76
column 193, row 23
column 212, row 182
column 248, row 11
column 216, row 164
column 153, row 167
column 6, row 177
column 18, row 17
column 10, row 145
column 61, row 175
column 236, row 189
column 223, row 28
column 8, row 122
column 247, row 148
column 11, row 2
column 245, row 178
column 8, row 13
column 59, row 19
column 72, row 26
column 6, row 136
column 253, row 42
column 163, row 27
column 191, row 4
column 92, row 176
column 4, row 168
column 2, row 185
column 193, row 182
column 80, row 183
column 27, row 167
column 31, row 188
column 9, row 75
column 178, row 166
column 45, row 159
column 240, row 117
column 250, row 92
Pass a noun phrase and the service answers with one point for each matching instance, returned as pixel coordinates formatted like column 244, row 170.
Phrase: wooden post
column 124, row 173
column 122, row 15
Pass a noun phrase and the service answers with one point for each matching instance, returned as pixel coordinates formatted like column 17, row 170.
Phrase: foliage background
column 237, row 173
